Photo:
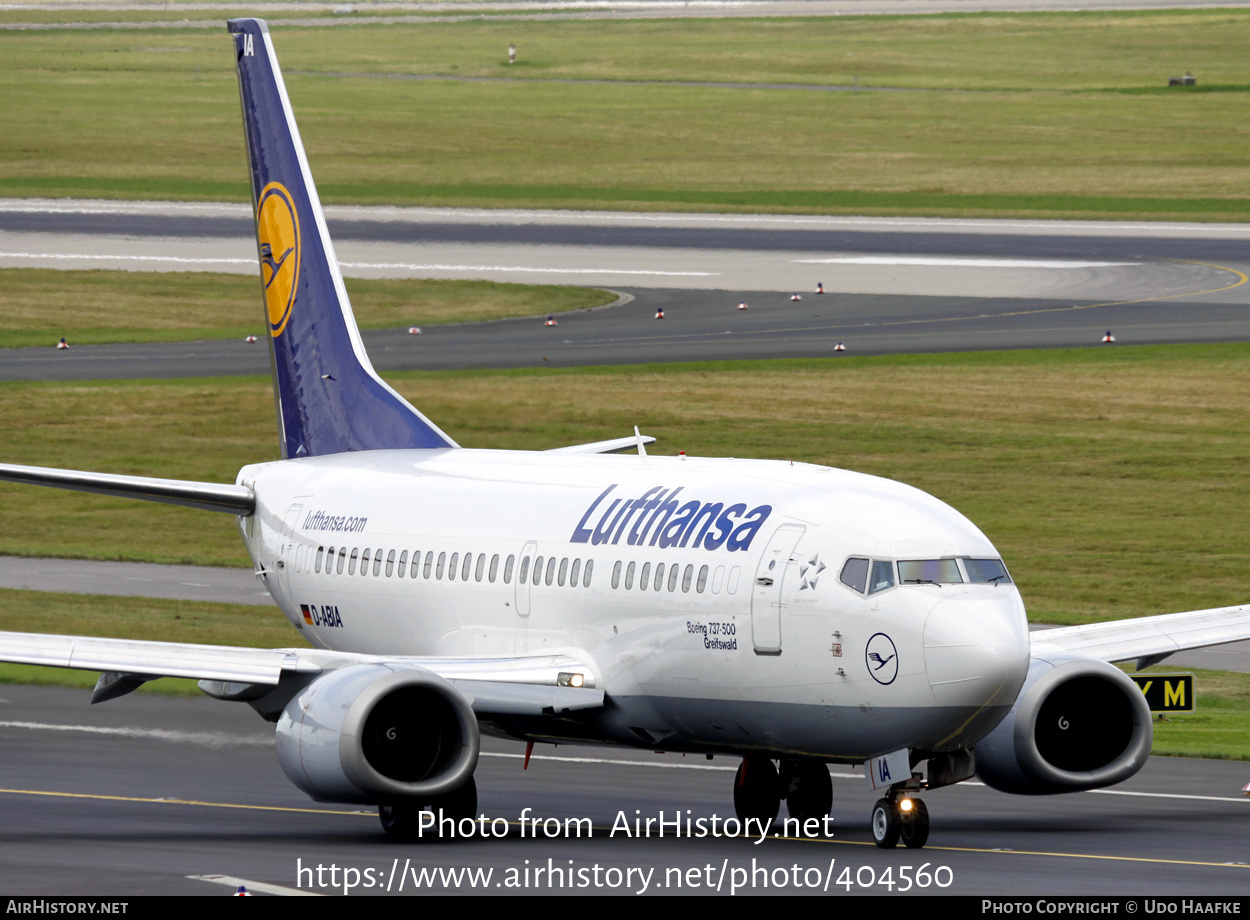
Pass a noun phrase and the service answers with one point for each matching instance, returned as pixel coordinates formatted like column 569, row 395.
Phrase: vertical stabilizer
column 329, row 397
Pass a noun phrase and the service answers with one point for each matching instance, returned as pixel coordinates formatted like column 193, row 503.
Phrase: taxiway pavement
column 892, row 285
column 140, row 795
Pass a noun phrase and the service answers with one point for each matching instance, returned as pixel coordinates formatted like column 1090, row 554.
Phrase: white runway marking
column 518, row 268
column 406, row 266
column 262, row 887
column 66, row 256
column 958, row 262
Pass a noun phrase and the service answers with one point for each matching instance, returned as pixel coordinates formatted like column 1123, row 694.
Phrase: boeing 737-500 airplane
column 790, row 615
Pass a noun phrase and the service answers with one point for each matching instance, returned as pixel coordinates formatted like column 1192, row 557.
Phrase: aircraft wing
column 522, row 685
column 1149, row 639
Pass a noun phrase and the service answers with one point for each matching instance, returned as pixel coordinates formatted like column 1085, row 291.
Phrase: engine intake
column 371, row 733
column 1077, row 724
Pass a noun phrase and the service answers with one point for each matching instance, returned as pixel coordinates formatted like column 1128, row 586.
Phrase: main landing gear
column 900, row 816
column 759, row 789
column 402, row 820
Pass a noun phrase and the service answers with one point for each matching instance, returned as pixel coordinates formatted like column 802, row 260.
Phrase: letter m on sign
column 1167, row 692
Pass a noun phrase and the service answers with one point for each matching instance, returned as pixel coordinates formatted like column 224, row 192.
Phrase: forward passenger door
column 767, row 597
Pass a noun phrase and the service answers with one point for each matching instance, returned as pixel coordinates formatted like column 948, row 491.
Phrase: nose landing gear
column 900, row 816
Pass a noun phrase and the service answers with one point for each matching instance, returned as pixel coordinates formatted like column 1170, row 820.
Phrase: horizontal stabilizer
column 207, row 496
column 603, row 447
column 1147, row 637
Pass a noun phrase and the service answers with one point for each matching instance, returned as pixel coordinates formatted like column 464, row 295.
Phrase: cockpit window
column 981, row 571
column 929, row 572
column 882, row 576
column 855, row 574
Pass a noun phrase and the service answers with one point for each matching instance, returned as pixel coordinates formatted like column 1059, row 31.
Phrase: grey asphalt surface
column 133, row 796
column 893, row 286
column 697, row 326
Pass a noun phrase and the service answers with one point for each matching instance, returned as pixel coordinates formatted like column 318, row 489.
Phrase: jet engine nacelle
column 1077, row 724
column 374, row 733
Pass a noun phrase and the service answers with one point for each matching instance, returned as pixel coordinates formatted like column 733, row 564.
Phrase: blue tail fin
column 329, row 397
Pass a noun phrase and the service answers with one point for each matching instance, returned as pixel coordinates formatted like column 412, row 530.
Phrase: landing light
column 904, row 806
column 569, row 679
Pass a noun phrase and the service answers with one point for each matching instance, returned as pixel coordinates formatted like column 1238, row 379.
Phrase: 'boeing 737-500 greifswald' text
column 786, row 614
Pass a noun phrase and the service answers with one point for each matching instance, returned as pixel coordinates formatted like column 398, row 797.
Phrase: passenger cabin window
column 494, row 568
column 507, row 570
column 573, row 573
column 525, row 568
column 377, row 562
column 629, row 575
column 702, row 582
column 616, row 574
column 586, row 573
column 644, row 579
column 351, row 563
column 429, row 561
column 403, row 565
column 321, row 553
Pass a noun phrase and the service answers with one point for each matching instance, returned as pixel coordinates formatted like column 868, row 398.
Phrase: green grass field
column 1040, row 115
column 90, row 307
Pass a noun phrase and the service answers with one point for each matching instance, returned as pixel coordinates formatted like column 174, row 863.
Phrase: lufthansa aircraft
column 788, row 614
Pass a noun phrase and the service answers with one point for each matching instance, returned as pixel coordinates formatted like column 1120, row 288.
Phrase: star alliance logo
column 809, row 571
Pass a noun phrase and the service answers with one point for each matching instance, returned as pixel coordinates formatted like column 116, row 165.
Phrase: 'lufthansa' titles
column 666, row 518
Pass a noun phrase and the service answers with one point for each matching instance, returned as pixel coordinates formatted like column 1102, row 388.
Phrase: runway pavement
column 142, row 794
column 892, row 285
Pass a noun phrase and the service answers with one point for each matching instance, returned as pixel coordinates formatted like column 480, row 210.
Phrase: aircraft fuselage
column 704, row 596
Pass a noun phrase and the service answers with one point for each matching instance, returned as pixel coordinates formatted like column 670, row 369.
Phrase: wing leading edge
column 1148, row 639
column 513, row 686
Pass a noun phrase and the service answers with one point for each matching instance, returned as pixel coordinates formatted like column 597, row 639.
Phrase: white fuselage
column 745, row 639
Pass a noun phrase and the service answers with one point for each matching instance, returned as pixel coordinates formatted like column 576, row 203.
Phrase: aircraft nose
column 976, row 649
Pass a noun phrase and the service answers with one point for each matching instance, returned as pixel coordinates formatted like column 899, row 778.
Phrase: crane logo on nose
column 882, row 659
